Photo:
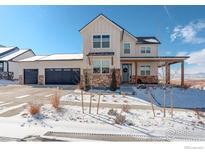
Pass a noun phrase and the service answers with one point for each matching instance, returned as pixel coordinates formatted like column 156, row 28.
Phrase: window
column 96, row 41
column 127, row 48
column 148, row 50
column 145, row 70
column 142, row 49
column 1, row 67
column 101, row 41
column 105, row 66
column 101, row 66
column 105, row 41
column 96, row 66
column 145, row 50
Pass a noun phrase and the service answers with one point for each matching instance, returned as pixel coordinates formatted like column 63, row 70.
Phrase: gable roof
column 148, row 40
column 142, row 40
column 101, row 15
column 56, row 57
column 30, row 59
column 6, row 50
column 14, row 54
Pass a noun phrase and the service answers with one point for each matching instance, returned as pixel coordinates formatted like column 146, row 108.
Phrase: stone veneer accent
column 100, row 80
column 147, row 79
column 21, row 79
column 41, row 79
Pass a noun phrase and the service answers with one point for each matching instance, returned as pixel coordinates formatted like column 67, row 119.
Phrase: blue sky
column 54, row 29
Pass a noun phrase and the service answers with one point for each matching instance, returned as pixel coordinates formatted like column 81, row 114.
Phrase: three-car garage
column 58, row 69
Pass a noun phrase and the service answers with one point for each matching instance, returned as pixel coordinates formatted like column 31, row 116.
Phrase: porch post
column 182, row 73
column 135, row 72
column 167, row 73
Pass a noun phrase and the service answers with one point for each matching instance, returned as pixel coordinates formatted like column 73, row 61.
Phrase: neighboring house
column 8, row 61
column 108, row 46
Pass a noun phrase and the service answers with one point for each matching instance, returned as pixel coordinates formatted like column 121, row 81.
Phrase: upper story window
column 96, row 41
column 105, row 41
column 145, row 50
column 101, row 66
column 127, row 48
column 145, row 70
column 101, row 41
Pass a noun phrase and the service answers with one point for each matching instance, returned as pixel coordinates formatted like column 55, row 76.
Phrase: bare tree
column 164, row 101
column 90, row 103
column 151, row 100
column 171, row 103
column 98, row 103
column 82, row 101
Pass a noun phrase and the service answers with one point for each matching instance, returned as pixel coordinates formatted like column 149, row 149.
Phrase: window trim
column 101, row 66
column 101, row 41
column 145, row 70
column 124, row 47
column 146, row 50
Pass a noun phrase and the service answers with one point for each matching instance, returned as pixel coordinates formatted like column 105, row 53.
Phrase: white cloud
column 182, row 53
column 196, row 62
column 197, row 58
column 189, row 33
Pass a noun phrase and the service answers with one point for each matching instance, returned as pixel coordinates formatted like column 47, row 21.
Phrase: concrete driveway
column 14, row 98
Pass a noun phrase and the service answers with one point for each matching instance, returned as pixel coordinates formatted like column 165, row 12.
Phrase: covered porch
column 158, row 61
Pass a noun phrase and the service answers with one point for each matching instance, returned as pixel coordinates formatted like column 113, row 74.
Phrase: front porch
column 145, row 69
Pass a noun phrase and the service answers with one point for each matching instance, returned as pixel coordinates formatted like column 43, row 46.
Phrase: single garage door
column 62, row 76
column 30, row 76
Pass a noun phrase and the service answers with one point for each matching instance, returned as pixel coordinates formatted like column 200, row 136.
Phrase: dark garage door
column 62, row 76
column 30, row 76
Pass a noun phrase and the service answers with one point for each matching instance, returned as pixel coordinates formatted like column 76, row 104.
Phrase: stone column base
column 21, row 79
column 99, row 80
column 41, row 80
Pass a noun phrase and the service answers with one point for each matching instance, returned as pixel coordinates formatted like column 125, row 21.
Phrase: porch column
column 167, row 73
column 135, row 72
column 182, row 73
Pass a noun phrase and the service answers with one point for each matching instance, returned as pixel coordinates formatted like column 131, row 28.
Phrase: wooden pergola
column 163, row 61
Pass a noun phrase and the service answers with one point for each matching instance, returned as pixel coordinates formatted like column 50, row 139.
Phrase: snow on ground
column 110, row 98
column 182, row 98
column 7, row 82
column 70, row 119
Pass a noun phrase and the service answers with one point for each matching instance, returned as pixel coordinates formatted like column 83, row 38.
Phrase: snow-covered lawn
column 184, row 124
column 109, row 98
column 182, row 98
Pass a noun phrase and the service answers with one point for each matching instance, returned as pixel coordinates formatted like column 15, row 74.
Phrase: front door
column 126, row 72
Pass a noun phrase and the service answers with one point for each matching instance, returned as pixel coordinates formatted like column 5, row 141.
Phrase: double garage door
column 54, row 76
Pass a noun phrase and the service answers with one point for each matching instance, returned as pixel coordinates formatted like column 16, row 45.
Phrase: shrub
column 120, row 119
column 113, row 85
column 112, row 112
column 55, row 99
column 186, row 86
column 34, row 109
column 125, row 108
column 87, row 82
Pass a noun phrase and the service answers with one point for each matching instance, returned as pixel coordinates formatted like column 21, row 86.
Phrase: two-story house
column 106, row 46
